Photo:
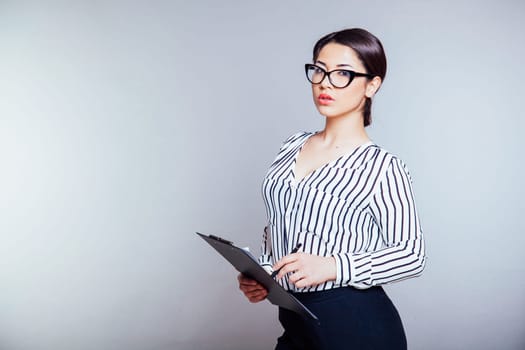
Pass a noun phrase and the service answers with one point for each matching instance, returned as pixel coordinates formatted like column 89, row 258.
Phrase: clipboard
column 247, row 264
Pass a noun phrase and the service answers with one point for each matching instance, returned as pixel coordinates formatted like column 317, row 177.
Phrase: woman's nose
column 326, row 81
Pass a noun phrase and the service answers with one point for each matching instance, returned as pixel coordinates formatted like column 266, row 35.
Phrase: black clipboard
column 245, row 263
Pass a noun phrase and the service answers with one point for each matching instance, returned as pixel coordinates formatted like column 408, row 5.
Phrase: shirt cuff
column 343, row 270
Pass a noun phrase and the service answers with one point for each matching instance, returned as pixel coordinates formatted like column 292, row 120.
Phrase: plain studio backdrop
column 127, row 126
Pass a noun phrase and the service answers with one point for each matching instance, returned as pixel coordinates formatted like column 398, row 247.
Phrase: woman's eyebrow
column 339, row 65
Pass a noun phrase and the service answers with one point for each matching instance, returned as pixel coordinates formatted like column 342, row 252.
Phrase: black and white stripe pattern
column 358, row 208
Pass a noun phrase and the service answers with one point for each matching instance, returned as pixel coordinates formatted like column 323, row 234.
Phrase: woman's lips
column 325, row 99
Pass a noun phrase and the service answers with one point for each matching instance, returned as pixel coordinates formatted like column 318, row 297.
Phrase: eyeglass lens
column 338, row 78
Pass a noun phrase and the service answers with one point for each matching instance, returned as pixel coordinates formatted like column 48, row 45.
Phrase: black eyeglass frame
column 352, row 73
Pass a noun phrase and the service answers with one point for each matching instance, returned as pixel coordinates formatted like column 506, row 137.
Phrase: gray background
column 127, row 126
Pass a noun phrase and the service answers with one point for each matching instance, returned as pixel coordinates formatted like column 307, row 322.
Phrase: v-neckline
column 324, row 165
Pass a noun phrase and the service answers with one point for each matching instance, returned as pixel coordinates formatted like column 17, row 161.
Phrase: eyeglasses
column 341, row 79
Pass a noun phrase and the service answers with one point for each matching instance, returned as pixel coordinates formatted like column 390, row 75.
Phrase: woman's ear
column 372, row 87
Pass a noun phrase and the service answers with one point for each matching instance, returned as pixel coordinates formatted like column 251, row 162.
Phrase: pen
column 295, row 250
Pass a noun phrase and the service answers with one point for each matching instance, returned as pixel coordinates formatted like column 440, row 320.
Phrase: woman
column 347, row 203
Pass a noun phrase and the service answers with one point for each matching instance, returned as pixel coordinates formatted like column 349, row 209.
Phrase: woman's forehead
column 337, row 55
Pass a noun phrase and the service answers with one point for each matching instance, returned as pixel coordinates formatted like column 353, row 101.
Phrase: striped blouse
column 358, row 208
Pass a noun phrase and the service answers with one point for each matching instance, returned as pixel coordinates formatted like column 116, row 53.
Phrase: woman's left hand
column 306, row 269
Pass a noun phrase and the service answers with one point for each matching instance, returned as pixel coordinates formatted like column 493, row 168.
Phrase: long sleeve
column 400, row 251
column 265, row 259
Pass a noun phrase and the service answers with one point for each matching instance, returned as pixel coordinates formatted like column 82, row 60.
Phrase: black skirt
column 349, row 319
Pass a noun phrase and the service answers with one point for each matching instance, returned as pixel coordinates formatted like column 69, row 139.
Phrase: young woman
column 347, row 203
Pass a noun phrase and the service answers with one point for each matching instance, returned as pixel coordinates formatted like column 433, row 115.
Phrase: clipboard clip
column 221, row 239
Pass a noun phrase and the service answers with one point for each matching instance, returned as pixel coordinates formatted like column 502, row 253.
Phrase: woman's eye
column 344, row 73
column 318, row 70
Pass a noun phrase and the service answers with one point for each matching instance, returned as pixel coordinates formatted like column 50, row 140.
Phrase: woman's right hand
column 252, row 289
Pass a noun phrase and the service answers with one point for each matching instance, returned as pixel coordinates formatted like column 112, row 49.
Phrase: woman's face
column 340, row 102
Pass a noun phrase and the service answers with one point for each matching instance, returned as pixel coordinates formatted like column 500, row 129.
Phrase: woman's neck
column 344, row 131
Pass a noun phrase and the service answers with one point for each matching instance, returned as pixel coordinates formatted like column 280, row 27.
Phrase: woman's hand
column 306, row 269
column 252, row 289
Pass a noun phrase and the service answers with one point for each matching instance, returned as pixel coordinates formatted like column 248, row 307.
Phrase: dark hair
column 369, row 50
